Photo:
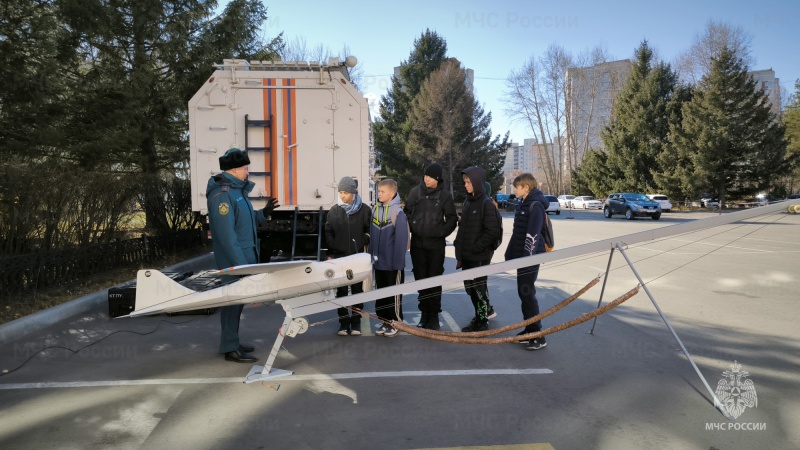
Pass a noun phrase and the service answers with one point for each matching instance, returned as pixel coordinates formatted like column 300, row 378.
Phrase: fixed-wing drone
column 157, row 293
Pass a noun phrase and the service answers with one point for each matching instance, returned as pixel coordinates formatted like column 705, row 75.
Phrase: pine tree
column 733, row 140
column 446, row 125
column 593, row 175
column 390, row 132
column 639, row 129
column 143, row 61
column 791, row 120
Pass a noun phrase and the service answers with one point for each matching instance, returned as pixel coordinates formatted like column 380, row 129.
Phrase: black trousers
column 346, row 315
column 478, row 290
column 384, row 307
column 428, row 263
column 526, row 289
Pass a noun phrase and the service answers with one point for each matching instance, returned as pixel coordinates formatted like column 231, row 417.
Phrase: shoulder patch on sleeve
column 224, row 209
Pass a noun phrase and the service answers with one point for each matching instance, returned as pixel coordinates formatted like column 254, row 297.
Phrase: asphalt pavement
column 729, row 293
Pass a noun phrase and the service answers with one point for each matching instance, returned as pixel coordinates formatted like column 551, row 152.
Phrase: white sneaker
column 390, row 331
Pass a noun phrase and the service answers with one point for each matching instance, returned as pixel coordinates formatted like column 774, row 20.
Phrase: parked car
column 792, row 197
column 555, row 206
column 662, row 200
column 565, row 200
column 511, row 202
column 709, row 201
column 632, row 205
column 502, row 200
column 586, row 202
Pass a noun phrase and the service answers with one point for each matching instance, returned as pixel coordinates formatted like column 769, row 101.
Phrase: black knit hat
column 434, row 171
column 233, row 158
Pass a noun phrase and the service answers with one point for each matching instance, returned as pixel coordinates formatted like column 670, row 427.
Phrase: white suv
column 662, row 200
column 565, row 200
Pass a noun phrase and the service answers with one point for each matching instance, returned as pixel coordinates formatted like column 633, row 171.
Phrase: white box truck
column 304, row 127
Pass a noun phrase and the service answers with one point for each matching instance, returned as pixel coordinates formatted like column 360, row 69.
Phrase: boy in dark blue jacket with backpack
column 526, row 240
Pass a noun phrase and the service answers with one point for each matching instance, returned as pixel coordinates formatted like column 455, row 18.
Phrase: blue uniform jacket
column 233, row 221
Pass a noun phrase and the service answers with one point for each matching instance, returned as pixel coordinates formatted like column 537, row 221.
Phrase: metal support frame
column 717, row 404
column 603, row 288
column 320, row 302
column 292, row 325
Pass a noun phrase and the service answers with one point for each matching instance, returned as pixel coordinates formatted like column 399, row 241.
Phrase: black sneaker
column 524, row 341
column 536, row 344
column 476, row 325
column 490, row 314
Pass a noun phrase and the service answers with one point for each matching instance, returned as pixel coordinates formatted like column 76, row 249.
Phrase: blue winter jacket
column 526, row 236
column 233, row 221
column 388, row 235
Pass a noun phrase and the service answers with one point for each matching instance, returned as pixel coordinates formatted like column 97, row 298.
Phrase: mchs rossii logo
column 736, row 392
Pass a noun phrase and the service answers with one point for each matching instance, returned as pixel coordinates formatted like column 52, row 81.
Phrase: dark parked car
column 631, row 205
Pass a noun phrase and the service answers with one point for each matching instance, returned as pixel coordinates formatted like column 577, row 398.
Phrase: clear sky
column 495, row 37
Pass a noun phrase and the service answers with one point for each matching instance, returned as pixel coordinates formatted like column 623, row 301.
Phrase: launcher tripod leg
column 266, row 372
column 603, row 289
column 717, row 404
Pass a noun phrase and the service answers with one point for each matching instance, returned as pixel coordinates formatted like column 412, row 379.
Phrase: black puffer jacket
column 431, row 216
column 347, row 235
column 474, row 238
column 526, row 239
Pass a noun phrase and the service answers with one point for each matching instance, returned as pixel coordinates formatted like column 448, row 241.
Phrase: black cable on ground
column 6, row 371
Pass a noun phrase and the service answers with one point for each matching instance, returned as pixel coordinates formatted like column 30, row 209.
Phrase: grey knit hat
column 347, row 184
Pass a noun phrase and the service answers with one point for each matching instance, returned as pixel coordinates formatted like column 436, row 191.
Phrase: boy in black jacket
column 476, row 233
column 347, row 233
column 526, row 240
column 432, row 217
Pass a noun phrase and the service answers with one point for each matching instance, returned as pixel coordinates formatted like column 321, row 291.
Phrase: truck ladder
column 267, row 123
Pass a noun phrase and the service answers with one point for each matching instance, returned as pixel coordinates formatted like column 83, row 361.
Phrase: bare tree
column 696, row 61
column 536, row 94
column 297, row 49
column 591, row 87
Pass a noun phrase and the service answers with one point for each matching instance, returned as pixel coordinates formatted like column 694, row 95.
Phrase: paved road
column 730, row 293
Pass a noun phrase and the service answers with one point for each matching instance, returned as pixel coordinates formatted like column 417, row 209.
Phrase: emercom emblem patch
column 224, row 209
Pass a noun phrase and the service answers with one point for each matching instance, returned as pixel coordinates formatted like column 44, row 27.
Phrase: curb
column 24, row 326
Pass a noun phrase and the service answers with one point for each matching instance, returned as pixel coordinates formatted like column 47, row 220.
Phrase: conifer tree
column 730, row 135
column 447, row 125
column 639, row 128
column 390, row 131
column 791, row 120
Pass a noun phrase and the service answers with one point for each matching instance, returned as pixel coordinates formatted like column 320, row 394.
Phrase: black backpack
column 498, row 239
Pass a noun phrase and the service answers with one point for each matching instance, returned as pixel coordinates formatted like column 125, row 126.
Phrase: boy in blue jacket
column 388, row 237
column 526, row 240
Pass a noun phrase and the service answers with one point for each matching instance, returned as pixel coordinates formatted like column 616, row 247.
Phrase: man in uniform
column 234, row 237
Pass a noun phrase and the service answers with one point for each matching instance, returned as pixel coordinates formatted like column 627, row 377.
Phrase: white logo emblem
column 735, row 392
